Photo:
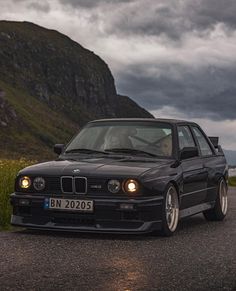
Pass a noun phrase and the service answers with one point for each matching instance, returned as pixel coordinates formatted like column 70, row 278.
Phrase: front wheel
column 221, row 204
column 170, row 212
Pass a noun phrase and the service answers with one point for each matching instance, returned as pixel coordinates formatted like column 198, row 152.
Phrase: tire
column 170, row 211
column 219, row 211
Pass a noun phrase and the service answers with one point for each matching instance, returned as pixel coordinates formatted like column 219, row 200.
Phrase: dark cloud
column 42, row 6
column 91, row 3
column 173, row 18
column 206, row 13
column 209, row 93
column 39, row 6
column 170, row 18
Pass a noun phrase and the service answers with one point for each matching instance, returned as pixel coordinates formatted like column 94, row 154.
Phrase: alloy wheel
column 223, row 197
column 172, row 208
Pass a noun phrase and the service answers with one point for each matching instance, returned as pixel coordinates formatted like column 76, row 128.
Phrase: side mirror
column 58, row 148
column 188, row 152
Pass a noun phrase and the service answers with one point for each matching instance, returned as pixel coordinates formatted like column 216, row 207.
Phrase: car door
column 210, row 162
column 194, row 173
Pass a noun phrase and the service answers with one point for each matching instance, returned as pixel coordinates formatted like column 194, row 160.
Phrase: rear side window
column 203, row 143
column 185, row 137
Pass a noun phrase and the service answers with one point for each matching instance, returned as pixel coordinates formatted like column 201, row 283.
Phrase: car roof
column 166, row 120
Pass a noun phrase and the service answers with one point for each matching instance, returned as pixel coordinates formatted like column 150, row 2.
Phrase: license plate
column 69, row 204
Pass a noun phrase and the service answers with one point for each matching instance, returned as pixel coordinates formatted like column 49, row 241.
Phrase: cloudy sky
column 176, row 58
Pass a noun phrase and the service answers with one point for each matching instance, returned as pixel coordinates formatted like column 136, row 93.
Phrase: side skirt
column 196, row 209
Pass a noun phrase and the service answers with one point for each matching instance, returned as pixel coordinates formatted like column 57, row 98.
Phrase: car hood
column 133, row 167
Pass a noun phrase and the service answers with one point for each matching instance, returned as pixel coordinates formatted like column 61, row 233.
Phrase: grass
column 37, row 127
column 232, row 181
column 8, row 172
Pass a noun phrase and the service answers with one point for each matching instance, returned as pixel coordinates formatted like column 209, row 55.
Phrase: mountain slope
column 49, row 87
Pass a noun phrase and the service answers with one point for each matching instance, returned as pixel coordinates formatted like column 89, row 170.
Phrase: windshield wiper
column 85, row 151
column 129, row 151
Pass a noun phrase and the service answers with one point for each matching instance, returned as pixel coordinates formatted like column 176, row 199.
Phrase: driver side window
column 203, row 144
column 185, row 137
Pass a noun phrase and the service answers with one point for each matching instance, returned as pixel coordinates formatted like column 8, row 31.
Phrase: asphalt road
column 201, row 256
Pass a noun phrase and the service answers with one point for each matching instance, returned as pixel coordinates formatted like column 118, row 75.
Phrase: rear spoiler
column 215, row 141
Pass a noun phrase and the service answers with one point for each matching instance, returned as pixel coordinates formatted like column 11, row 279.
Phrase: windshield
column 151, row 138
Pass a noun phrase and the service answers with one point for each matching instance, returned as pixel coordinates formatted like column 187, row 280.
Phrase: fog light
column 125, row 206
column 24, row 202
column 25, row 182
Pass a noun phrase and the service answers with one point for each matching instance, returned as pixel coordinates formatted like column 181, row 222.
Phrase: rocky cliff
column 49, row 87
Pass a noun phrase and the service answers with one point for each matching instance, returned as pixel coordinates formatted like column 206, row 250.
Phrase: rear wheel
column 170, row 212
column 221, row 205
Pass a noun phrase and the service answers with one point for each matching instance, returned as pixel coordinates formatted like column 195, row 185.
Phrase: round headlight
column 24, row 182
column 113, row 186
column 39, row 183
column 131, row 186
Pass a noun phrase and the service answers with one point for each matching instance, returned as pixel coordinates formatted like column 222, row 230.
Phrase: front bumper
column 146, row 215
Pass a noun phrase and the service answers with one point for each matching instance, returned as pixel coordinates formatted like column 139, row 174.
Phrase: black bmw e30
column 125, row 176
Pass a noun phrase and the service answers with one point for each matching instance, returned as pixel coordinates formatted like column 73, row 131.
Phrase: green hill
column 49, row 87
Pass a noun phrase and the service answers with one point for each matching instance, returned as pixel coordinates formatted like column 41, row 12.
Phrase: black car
column 125, row 176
